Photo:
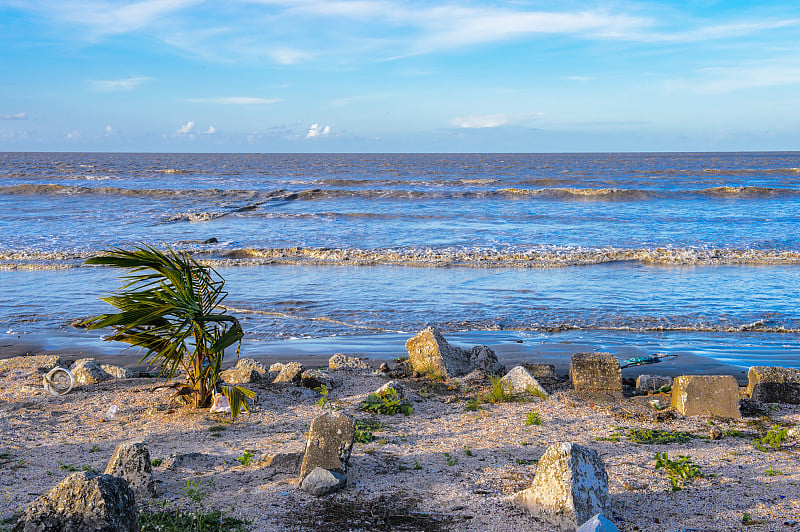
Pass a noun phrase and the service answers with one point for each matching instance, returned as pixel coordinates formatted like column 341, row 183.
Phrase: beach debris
column 87, row 371
column 598, row 523
column 118, row 372
column 430, row 354
column 58, row 381
column 569, row 488
column 282, row 463
column 110, row 413
column 246, row 371
column 41, row 363
column 290, row 373
column 131, row 461
column 322, row 482
column 706, row 395
column 83, row 502
column 220, row 404
column 595, row 375
column 651, row 383
column 774, row 384
column 344, row 362
column 647, row 359
column 519, row 382
column 330, row 441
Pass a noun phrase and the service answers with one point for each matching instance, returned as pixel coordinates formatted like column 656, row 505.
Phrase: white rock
column 322, row 482
column 570, row 486
column 519, row 382
column 598, row 523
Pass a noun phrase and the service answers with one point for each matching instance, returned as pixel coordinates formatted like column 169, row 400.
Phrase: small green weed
column 522, row 461
column 94, row 448
column 90, row 469
column 468, row 452
column 364, row 430
column 734, row 433
column 772, row 472
column 389, row 403
column 658, row 437
column 217, row 430
column 246, row 459
column 497, row 394
column 451, row 460
column 323, row 391
column 159, row 520
column 197, row 490
column 773, row 439
column 155, row 462
column 416, row 467
column 748, row 520
column 533, row 418
column 680, row 470
column 66, row 467
column 473, row 404
column 526, row 443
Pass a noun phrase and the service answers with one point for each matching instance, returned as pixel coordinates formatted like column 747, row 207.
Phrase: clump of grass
column 533, row 418
column 161, row 519
column 658, row 437
column 680, row 471
column 473, row 404
column 217, row 430
column 197, row 490
column 468, row 451
column 451, row 460
column 735, row 433
column 497, row 394
column 155, row 462
column 772, row 440
column 388, row 402
column 363, row 432
column 772, row 472
column 416, row 467
column 524, row 461
column 94, row 448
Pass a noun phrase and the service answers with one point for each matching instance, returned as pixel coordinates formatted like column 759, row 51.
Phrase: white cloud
column 210, row 131
column 318, row 131
column 109, row 131
column 236, row 100
column 186, row 128
column 722, row 80
column 18, row 116
column 74, row 134
column 480, row 121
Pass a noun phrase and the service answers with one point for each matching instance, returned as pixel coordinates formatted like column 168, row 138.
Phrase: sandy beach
column 442, row 468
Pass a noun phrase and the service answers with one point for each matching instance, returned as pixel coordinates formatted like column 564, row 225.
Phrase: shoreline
column 378, row 349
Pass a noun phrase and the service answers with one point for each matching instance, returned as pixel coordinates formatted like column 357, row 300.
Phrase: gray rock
column 545, row 374
column 472, row 378
column 131, row 461
column 596, row 375
column 283, row 463
column 246, row 371
column 706, row 395
column 392, row 385
column 774, row 384
column 519, row 382
column 322, row 482
column 330, row 441
column 651, row 383
column 570, row 486
column 598, row 523
column 314, row 378
column 117, row 372
column 346, row 363
column 430, row 354
column 87, row 371
column 41, row 363
column 291, row 373
column 83, row 502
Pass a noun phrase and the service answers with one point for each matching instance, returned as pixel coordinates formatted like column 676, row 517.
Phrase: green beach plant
column 680, row 471
column 169, row 306
column 773, row 439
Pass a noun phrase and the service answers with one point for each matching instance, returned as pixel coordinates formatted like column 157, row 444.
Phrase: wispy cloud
column 235, row 100
column 113, row 85
column 18, row 116
column 470, row 122
column 720, row 80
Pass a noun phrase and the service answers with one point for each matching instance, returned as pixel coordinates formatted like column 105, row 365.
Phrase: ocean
column 685, row 253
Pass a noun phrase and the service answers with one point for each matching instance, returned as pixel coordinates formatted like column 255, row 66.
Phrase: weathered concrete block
column 283, row 463
column 706, row 395
column 87, row 371
column 118, row 372
column 330, row 440
column 570, row 486
column 519, row 382
column 430, row 354
column 595, row 374
column 246, row 371
column 83, row 502
column 346, row 363
column 774, row 385
column 291, row 372
column 651, row 383
column 131, row 461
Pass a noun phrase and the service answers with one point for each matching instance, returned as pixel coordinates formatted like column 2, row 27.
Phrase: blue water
column 692, row 252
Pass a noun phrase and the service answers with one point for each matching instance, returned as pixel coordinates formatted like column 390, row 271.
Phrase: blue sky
column 399, row 76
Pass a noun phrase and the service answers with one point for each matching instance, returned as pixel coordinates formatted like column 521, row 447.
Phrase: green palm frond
column 169, row 306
